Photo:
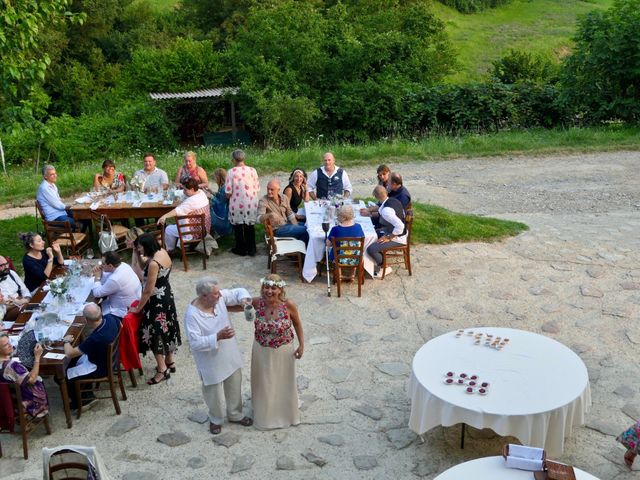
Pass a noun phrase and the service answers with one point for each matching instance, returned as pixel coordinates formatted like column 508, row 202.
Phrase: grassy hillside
column 544, row 26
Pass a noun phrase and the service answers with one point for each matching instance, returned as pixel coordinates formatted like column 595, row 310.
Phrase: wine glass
column 89, row 253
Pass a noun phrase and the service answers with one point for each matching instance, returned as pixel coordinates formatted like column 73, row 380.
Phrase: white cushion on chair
column 285, row 245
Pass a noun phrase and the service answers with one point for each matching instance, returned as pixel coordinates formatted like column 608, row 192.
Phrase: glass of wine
column 89, row 253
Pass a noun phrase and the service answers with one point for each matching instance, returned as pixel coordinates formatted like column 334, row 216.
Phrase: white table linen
column 539, row 389
column 493, row 468
column 314, row 211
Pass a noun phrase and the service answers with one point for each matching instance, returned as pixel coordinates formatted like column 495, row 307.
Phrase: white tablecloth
column 492, row 468
column 314, row 211
column 539, row 388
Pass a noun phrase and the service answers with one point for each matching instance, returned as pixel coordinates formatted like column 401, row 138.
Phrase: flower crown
column 273, row 283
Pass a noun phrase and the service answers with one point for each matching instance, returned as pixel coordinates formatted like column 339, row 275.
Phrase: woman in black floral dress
column 159, row 328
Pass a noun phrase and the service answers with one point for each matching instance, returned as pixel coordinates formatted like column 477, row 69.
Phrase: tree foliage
column 601, row 79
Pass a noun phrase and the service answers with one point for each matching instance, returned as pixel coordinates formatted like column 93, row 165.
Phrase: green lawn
column 544, row 26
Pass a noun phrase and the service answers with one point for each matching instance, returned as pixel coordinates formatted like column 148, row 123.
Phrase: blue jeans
column 297, row 230
column 67, row 218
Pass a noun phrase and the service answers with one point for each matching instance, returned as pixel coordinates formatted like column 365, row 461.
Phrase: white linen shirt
column 9, row 288
column 120, row 287
column 390, row 216
column 313, row 180
column 215, row 360
column 50, row 201
column 194, row 202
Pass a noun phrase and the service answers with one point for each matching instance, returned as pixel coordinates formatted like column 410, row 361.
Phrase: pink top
column 243, row 186
column 276, row 331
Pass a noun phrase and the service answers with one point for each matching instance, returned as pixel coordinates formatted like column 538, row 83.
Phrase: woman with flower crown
column 274, row 394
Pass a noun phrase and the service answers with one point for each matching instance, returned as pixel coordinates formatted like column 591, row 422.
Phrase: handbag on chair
column 107, row 241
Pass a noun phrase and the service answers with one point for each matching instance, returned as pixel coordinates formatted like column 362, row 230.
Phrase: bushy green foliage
column 601, row 80
column 471, row 6
column 518, row 66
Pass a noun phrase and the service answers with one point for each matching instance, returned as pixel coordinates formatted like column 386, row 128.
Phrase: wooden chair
column 26, row 422
column 192, row 230
column 399, row 255
column 154, row 229
column 113, row 376
column 102, row 223
column 347, row 255
column 282, row 248
column 61, row 232
column 66, row 464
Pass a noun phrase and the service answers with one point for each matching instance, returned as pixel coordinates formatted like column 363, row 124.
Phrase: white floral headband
column 273, row 283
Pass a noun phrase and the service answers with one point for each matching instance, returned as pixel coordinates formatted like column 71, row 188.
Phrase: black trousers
column 245, row 239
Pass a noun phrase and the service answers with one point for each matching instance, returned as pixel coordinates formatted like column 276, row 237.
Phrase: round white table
column 493, row 468
column 539, row 389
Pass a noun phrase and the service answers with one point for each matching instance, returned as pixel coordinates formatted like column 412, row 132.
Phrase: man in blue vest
column 329, row 180
column 392, row 231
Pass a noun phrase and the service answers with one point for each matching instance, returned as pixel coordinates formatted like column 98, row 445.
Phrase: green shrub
column 471, row 6
column 518, row 66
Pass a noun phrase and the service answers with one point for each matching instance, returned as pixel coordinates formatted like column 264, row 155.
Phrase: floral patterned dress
column 275, row 332
column 34, row 397
column 159, row 329
column 630, row 438
column 243, row 185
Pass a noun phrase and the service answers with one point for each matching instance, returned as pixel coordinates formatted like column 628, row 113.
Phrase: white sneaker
column 378, row 275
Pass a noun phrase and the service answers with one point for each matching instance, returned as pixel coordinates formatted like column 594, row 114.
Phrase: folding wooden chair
column 347, row 256
column 401, row 254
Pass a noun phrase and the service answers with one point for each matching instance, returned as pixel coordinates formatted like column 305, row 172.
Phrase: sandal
column 629, row 457
column 165, row 376
column 245, row 422
column 172, row 367
column 214, row 428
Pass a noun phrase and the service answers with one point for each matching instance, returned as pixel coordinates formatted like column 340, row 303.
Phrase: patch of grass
column 437, row 225
column 22, row 182
column 537, row 26
column 9, row 242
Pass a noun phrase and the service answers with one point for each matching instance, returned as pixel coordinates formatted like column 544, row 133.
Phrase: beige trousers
column 232, row 395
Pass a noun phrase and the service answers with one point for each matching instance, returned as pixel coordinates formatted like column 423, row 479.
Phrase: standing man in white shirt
column 392, row 231
column 155, row 179
column 14, row 294
column 215, row 350
column 118, row 284
column 329, row 180
column 53, row 208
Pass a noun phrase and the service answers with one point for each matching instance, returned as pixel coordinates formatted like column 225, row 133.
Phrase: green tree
column 601, row 79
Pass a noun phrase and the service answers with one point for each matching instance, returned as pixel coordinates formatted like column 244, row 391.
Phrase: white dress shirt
column 215, row 360
column 120, row 287
column 50, row 201
column 12, row 289
column 390, row 216
column 313, row 180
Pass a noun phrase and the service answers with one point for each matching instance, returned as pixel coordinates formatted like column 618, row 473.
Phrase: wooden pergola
column 199, row 95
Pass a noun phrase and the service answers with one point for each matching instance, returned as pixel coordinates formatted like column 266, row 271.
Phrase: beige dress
column 273, row 374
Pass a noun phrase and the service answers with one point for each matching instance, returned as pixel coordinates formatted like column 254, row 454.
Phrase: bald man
column 329, row 180
column 91, row 352
column 275, row 207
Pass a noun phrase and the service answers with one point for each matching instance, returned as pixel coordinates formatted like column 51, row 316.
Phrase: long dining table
column 54, row 367
column 123, row 205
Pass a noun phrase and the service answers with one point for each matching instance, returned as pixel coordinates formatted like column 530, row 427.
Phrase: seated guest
column 383, row 173
column 117, row 284
column 275, row 207
column 189, row 169
column 38, row 262
column 91, row 352
column 53, row 208
column 195, row 203
column 34, row 395
column 399, row 191
column 155, row 179
column 346, row 228
column 215, row 350
column 109, row 178
column 13, row 292
column 329, row 180
column 392, row 232
column 296, row 191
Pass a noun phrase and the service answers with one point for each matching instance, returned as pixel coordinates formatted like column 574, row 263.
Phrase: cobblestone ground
column 574, row 276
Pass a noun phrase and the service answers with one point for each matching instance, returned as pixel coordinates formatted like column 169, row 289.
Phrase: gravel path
column 574, row 276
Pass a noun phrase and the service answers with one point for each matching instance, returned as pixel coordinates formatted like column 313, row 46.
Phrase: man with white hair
column 215, row 350
column 276, row 208
column 13, row 292
column 53, row 208
column 92, row 352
